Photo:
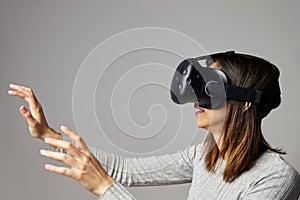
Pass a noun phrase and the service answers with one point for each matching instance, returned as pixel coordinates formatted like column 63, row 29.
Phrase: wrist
column 104, row 186
column 51, row 133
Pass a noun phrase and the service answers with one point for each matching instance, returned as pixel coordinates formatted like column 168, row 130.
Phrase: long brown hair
column 242, row 139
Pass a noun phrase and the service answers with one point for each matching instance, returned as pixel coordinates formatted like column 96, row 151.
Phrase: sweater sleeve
column 156, row 170
column 116, row 192
column 283, row 184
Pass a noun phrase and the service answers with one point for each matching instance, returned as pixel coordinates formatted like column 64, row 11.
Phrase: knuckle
column 80, row 176
column 30, row 91
column 89, row 155
column 62, row 157
column 34, row 124
column 83, row 168
column 85, row 164
column 64, row 171
column 85, row 161
column 68, row 146
column 78, row 138
column 39, row 108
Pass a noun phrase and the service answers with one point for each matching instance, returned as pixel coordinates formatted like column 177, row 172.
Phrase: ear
column 217, row 65
column 246, row 106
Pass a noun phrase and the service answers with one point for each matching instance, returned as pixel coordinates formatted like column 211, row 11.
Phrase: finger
column 64, row 145
column 59, row 157
column 28, row 94
column 27, row 115
column 20, row 88
column 60, row 170
column 76, row 138
column 16, row 93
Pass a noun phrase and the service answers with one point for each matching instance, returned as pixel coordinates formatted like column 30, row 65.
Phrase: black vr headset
column 195, row 82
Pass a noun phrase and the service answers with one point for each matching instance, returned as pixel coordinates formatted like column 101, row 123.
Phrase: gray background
column 43, row 43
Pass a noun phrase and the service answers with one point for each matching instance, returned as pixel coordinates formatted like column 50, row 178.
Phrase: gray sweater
column 271, row 178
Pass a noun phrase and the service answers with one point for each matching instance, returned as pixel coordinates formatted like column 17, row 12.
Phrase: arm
column 167, row 169
column 84, row 167
column 156, row 170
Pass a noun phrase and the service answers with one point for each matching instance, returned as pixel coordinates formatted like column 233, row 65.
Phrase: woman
column 234, row 162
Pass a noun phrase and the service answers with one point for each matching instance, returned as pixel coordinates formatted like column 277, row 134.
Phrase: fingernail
column 23, row 109
column 43, row 152
column 47, row 166
column 62, row 127
column 12, row 85
column 47, row 140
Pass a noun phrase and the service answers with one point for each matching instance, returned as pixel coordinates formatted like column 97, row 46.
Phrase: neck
column 218, row 139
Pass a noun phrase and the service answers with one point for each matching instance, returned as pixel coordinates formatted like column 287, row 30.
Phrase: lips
column 201, row 110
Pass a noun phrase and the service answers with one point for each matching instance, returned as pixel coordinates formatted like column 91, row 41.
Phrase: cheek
column 218, row 117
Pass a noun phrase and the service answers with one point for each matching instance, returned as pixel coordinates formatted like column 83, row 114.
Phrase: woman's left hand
column 84, row 167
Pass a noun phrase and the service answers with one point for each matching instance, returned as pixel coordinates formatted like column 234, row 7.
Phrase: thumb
column 27, row 115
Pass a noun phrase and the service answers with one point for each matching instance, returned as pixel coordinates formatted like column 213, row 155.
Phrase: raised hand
column 37, row 123
column 84, row 167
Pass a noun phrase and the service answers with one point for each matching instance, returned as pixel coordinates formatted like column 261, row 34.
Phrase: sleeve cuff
column 116, row 192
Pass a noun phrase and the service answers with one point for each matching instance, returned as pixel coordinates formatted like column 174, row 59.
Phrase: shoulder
column 275, row 176
column 273, row 162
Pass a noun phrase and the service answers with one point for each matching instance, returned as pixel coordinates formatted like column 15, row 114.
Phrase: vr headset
column 194, row 82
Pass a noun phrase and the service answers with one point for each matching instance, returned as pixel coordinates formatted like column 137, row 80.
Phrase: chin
column 202, row 125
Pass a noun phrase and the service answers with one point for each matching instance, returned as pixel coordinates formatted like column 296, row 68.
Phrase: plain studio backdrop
column 44, row 43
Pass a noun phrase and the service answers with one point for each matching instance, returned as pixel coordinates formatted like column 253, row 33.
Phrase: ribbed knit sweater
column 270, row 178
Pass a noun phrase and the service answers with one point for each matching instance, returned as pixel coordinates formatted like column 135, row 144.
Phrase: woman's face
column 211, row 119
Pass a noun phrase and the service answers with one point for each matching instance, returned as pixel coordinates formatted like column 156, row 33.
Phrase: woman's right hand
column 37, row 123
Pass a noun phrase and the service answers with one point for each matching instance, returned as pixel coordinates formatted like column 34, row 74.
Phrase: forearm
column 156, row 170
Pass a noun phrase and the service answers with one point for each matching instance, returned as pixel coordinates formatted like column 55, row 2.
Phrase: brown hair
column 242, row 139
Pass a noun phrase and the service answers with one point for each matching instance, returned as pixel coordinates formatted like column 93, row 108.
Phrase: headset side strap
column 243, row 94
